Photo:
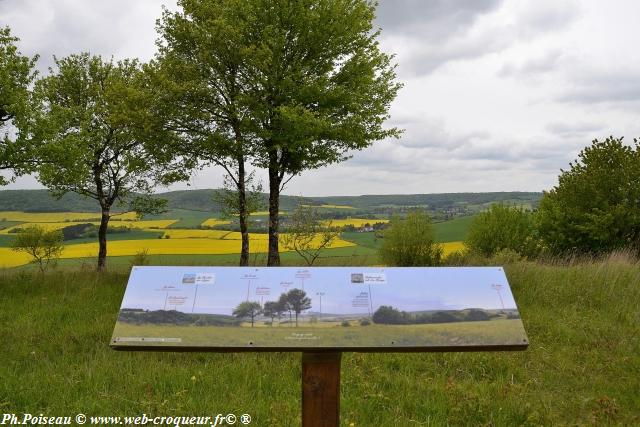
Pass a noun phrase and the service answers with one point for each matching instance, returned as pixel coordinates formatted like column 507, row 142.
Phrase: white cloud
column 499, row 95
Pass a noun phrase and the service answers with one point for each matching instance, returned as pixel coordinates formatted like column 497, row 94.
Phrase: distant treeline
column 202, row 200
column 391, row 316
column 174, row 317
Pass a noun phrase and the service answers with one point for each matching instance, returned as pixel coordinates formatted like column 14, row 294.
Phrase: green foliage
column 141, row 257
column 98, row 135
column 16, row 75
column 297, row 301
column 95, row 122
column 595, row 207
column 502, row 227
column 247, row 310
column 45, row 247
column 307, row 235
column 410, row 242
column 228, row 197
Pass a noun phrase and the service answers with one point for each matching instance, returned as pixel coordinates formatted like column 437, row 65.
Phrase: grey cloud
column 433, row 20
column 543, row 64
column 116, row 28
column 611, row 86
column 564, row 129
column 462, row 31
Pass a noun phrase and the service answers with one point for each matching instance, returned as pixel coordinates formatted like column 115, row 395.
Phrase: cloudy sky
column 498, row 95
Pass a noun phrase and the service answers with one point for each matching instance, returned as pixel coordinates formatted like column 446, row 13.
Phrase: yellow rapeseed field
column 177, row 233
column 450, row 247
column 211, row 222
column 58, row 216
column 150, row 224
column 330, row 206
column 185, row 246
column 356, row 222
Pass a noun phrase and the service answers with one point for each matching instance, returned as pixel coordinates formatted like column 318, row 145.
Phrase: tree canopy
column 410, row 242
column 595, row 207
column 502, row 227
column 94, row 123
column 16, row 75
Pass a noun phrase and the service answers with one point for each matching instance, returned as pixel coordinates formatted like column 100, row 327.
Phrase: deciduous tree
column 307, row 235
column 201, row 70
column 595, row 207
column 410, row 242
column 247, row 309
column 45, row 247
column 95, row 125
column 298, row 301
column 16, row 75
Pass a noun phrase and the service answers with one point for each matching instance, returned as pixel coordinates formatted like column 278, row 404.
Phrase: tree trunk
column 243, row 214
column 102, row 239
column 273, row 259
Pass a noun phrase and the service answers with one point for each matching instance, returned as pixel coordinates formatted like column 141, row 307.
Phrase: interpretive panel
column 332, row 308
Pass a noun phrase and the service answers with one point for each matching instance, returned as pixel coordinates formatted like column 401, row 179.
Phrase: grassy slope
column 583, row 365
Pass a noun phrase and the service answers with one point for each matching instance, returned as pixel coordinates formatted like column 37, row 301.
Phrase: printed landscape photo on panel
column 289, row 308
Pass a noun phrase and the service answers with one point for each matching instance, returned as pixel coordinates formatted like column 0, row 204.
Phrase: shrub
column 410, row 242
column 345, row 323
column 45, row 247
column 141, row 258
column 365, row 322
column 595, row 208
column 502, row 227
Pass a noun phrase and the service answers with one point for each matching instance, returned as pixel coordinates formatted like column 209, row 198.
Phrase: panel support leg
column 321, row 389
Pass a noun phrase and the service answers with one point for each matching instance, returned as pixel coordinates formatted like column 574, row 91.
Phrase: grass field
column 452, row 230
column 444, row 334
column 582, row 366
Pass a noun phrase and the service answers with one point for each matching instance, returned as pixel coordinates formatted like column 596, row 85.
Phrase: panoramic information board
column 318, row 308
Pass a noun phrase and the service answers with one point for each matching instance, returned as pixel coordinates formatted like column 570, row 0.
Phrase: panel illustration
column 344, row 308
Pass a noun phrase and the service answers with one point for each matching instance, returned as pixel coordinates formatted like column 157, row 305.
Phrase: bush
column 141, row 258
column 502, row 227
column 365, row 322
column 345, row 323
column 45, row 247
column 410, row 242
column 595, row 208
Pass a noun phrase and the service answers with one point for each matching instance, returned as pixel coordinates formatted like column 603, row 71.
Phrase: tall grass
column 582, row 366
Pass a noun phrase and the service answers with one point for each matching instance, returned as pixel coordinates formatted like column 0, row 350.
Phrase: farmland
column 181, row 235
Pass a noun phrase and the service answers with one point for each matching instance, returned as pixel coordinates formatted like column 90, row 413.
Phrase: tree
column 307, row 235
column 595, row 207
column 44, row 246
column 410, row 242
column 502, row 227
column 247, row 309
column 324, row 89
column 272, row 310
column 228, row 198
column 16, row 75
column 94, row 124
column 298, row 301
column 201, row 69
column 386, row 314
column 285, row 306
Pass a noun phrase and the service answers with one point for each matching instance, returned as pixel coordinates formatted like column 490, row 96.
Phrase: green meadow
column 582, row 366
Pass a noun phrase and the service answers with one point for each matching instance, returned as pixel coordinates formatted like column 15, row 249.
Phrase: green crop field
column 453, row 230
column 582, row 366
